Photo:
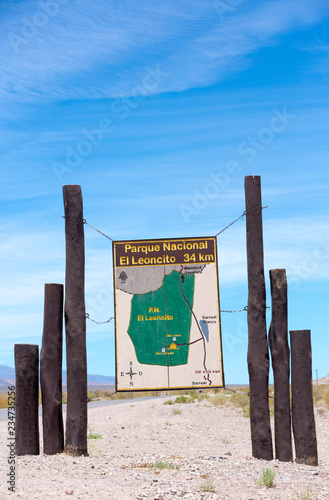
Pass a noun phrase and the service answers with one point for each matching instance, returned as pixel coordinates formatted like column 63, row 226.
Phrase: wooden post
column 278, row 337
column 27, row 399
column 258, row 355
column 303, row 423
column 75, row 324
column 51, row 370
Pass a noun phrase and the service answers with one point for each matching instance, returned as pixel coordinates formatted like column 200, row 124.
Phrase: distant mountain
column 7, row 376
column 4, row 384
column 320, row 381
column 7, row 372
column 93, row 379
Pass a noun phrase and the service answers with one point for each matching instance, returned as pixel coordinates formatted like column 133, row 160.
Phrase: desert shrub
column 131, row 394
column 189, row 392
column 325, row 397
column 318, row 392
column 94, row 435
column 306, row 494
column 123, row 395
column 194, row 395
column 267, row 478
column 183, row 399
column 219, row 399
column 241, row 401
column 165, row 465
column 208, row 486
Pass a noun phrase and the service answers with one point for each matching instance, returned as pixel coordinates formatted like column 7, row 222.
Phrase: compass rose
column 131, row 373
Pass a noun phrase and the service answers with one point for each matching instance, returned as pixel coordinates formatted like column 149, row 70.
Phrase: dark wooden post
column 303, row 423
column 75, row 324
column 278, row 337
column 27, row 399
column 258, row 355
column 51, row 370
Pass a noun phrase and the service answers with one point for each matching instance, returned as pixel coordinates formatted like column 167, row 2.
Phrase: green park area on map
column 161, row 320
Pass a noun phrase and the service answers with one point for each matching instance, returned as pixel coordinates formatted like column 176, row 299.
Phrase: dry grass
column 219, row 399
column 159, row 464
column 325, row 397
column 306, row 494
column 3, row 401
column 208, row 486
column 241, row 401
column 321, row 398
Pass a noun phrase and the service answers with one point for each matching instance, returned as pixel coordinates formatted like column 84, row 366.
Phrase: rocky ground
column 149, row 450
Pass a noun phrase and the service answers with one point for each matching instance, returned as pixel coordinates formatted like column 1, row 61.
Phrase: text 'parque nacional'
column 160, row 252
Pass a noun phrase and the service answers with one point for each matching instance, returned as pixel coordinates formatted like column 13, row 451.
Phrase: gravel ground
column 208, row 449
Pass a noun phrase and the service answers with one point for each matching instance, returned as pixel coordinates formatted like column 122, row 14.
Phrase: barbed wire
column 242, row 392
column 237, row 311
column 236, row 220
column 100, row 232
column 222, row 311
column 98, row 322
column 235, row 391
column 220, row 232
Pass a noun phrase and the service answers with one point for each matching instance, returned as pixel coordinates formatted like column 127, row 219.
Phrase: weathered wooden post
column 258, row 355
column 278, row 338
column 27, row 399
column 75, row 324
column 51, row 370
column 303, row 423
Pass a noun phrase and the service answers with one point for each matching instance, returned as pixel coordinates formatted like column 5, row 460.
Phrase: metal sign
column 167, row 319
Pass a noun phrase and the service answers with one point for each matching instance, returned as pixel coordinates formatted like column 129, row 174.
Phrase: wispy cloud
column 300, row 245
column 93, row 51
column 320, row 50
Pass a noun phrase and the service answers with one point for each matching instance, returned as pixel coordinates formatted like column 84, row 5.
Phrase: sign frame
column 146, row 253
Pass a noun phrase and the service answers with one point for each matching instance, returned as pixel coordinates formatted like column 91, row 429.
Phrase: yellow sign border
column 153, row 241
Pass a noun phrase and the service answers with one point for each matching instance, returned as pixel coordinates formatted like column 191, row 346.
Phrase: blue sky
column 159, row 110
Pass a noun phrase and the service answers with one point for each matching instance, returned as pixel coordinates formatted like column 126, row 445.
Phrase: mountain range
column 7, row 377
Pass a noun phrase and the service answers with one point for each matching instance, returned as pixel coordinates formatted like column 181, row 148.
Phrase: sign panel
column 167, row 319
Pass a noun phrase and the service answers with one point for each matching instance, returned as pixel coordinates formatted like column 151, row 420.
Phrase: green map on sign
column 160, row 321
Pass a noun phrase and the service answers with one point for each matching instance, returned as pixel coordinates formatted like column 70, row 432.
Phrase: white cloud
column 300, row 245
column 88, row 52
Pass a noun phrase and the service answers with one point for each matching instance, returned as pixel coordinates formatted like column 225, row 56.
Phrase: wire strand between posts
column 241, row 392
column 98, row 322
column 100, row 232
column 237, row 311
column 236, row 220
